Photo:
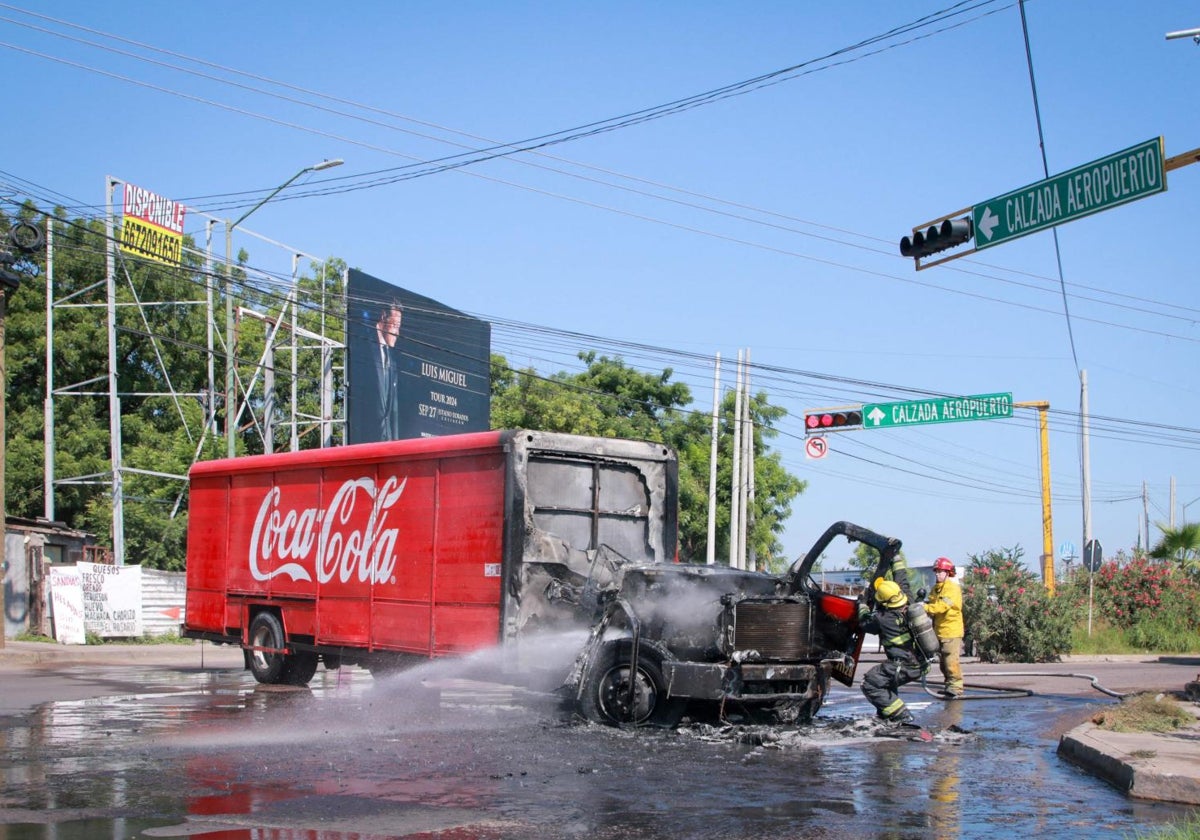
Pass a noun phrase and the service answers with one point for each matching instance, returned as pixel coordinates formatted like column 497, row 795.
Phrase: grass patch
column 1188, row 829
column 1145, row 713
column 27, row 636
column 1104, row 639
column 96, row 639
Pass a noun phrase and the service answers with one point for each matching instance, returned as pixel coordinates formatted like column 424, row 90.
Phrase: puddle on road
column 445, row 752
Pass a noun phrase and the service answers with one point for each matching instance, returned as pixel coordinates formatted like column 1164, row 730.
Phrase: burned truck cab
column 711, row 641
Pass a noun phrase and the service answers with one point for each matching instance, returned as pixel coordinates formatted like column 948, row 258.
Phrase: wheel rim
column 263, row 638
column 614, row 698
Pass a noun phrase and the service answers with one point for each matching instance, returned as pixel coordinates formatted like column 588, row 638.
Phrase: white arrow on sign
column 876, row 415
column 988, row 222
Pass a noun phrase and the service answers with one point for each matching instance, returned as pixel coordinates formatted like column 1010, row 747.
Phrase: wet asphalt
column 164, row 746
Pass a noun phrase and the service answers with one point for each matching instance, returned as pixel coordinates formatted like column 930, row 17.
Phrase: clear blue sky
column 767, row 220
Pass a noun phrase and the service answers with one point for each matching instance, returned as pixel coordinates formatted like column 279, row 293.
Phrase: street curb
column 18, row 655
column 1142, row 765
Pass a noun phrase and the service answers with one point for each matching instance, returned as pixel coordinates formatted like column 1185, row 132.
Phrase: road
column 153, row 748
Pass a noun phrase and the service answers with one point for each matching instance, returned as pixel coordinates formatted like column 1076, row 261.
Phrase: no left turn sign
column 815, row 447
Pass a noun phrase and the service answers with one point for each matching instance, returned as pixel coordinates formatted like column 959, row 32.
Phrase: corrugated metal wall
column 163, row 598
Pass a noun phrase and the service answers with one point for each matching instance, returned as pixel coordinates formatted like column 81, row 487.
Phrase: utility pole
column 711, row 551
column 26, row 238
column 1086, row 460
column 1145, row 518
column 734, row 510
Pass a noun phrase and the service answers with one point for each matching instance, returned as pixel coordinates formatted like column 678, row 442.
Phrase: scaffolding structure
column 300, row 323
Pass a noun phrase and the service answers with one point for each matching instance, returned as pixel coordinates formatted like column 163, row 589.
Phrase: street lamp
column 230, row 362
column 1185, row 507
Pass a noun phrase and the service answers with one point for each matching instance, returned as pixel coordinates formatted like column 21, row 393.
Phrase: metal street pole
column 1185, row 507
column 231, row 407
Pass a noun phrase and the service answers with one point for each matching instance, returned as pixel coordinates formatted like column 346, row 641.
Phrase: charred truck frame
column 386, row 554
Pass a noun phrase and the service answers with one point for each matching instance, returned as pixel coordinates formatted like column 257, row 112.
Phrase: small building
column 30, row 547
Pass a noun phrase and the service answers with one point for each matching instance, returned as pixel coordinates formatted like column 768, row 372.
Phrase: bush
column 1152, row 603
column 1008, row 613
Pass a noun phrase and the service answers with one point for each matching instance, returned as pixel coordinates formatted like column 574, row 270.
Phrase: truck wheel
column 605, row 697
column 267, row 665
column 300, row 667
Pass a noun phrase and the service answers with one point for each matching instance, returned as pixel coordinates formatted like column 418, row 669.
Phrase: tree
column 866, row 560
column 1180, row 544
column 162, row 364
column 611, row 399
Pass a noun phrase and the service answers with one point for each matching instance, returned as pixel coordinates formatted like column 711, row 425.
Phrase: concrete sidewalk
column 1163, row 766
column 186, row 654
column 1155, row 766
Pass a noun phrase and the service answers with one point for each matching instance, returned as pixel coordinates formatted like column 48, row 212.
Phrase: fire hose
column 1004, row 693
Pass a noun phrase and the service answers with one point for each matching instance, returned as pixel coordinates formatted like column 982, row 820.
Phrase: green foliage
column 611, row 399
column 1008, row 612
column 30, row 636
column 866, row 560
column 1188, row 828
column 1153, row 604
column 1103, row 639
column 1180, row 544
column 161, row 348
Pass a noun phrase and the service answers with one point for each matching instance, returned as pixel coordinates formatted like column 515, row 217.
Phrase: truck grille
column 776, row 629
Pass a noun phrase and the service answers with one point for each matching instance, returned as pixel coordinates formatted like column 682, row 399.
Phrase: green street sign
column 939, row 410
column 1117, row 179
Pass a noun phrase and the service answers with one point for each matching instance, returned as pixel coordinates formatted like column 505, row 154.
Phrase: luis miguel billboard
column 414, row 366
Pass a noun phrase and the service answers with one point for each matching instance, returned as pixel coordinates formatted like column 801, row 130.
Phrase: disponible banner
column 152, row 226
column 415, row 367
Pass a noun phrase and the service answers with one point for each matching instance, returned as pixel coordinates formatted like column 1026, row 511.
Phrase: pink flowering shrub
column 1154, row 602
column 1009, row 616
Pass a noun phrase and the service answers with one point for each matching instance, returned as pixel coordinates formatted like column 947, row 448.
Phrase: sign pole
column 1043, row 409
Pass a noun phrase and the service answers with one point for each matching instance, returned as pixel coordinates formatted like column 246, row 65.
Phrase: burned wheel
column 266, row 658
column 614, row 694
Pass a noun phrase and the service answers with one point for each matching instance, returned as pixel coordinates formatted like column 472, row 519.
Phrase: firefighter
column 944, row 607
column 889, row 620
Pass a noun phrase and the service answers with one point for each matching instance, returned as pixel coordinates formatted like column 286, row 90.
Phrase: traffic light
column 819, row 422
column 936, row 238
column 26, row 238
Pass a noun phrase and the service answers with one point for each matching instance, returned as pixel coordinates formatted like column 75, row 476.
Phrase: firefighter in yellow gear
column 889, row 620
column 944, row 607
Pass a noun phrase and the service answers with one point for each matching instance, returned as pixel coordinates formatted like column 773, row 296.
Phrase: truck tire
column 267, row 666
column 300, row 667
column 604, row 697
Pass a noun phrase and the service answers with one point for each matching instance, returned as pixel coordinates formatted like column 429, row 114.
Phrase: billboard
column 414, row 366
column 152, row 226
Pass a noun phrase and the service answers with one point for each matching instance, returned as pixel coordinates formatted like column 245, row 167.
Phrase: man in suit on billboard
column 375, row 377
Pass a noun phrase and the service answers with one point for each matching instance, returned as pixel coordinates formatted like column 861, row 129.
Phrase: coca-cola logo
column 326, row 541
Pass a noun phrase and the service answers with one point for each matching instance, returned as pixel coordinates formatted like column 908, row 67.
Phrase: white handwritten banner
column 112, row 599
column 66, row 598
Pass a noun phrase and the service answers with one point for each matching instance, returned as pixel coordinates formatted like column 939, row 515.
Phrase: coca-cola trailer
column 386, row 554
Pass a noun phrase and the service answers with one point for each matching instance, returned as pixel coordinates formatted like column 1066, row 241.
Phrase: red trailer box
column 384, row 554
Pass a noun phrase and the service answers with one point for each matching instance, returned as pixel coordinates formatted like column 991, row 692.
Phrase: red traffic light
column 832, row 421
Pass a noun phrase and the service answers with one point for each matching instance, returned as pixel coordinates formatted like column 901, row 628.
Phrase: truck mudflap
column 746, row 682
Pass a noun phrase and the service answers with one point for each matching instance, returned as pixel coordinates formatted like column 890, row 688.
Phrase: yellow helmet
column 888, row 593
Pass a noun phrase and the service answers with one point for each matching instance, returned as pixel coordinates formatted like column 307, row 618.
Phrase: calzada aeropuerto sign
column 1119, row 178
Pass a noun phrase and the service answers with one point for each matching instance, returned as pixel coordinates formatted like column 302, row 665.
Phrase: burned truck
column 387, row 554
